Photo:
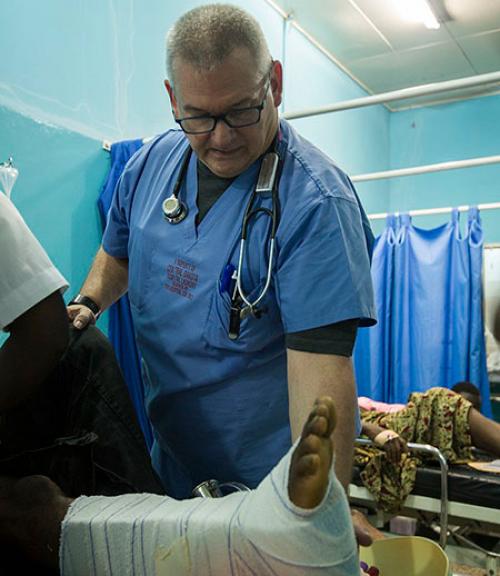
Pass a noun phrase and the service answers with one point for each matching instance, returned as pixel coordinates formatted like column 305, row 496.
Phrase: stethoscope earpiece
column 174, row 210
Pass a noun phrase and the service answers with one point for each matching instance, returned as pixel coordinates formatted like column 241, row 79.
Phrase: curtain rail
column 403, row 94
column 428, row 211
column 452, row 165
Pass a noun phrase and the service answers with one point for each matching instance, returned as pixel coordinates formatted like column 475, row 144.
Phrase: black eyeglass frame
column 216, row 118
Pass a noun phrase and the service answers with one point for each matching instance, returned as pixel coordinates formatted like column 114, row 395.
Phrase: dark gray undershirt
column 335, row 338
column 210, row 189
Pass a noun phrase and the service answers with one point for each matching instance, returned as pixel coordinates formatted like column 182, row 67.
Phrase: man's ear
column 277, row 82
column 171, row 95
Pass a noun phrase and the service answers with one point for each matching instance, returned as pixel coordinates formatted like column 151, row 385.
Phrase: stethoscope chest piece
column 174, row 210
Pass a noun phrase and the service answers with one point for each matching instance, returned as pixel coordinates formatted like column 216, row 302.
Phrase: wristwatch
column 86, row 301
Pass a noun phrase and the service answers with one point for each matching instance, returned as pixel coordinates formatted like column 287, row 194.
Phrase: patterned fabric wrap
column 438, row 417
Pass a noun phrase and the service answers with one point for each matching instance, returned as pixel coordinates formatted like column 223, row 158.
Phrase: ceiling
column 383, row 52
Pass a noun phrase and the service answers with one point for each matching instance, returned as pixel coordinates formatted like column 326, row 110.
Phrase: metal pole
column 431, row 451
column 452, row 165
column 403, row 94
column 429, row 211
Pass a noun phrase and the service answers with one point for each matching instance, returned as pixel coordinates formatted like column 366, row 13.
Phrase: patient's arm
column 388, row 440
column 485, row 433
column 370, row 429
column 37, row 340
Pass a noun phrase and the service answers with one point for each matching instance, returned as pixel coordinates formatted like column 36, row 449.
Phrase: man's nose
column 222, row 133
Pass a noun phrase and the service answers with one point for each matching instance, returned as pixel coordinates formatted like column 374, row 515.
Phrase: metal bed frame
column 445, row 508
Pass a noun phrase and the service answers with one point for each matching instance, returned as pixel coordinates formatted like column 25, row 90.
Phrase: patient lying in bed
column 443, row 418
column 297, row 521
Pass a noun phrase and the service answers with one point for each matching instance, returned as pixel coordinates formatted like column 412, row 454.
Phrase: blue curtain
column 429, row 302
column 121, row 329
column 372, row 352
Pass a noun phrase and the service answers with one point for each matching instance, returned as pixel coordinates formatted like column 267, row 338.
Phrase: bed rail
column 434, row 453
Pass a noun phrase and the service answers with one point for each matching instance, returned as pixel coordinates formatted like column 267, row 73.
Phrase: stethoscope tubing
column 273, row 214
column 251, row 305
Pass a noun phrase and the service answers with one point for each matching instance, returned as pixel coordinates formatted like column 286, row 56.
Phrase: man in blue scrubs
column 226, row 394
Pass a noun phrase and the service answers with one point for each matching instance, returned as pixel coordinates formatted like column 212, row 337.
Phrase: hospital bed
column 462, row 500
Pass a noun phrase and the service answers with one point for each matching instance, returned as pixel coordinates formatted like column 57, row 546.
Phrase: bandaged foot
column 296, row 522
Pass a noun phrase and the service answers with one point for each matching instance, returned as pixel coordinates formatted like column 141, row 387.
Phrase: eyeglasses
column 237, row 118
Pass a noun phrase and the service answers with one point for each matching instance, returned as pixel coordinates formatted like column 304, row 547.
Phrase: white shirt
column 27, row 275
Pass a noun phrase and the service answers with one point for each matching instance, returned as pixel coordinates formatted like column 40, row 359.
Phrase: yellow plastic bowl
column 406, row 556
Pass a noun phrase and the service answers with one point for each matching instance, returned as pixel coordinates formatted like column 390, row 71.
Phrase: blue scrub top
column 219, row 407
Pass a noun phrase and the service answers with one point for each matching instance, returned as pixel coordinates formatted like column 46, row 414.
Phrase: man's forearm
column 345, row 432
column 312, row 375
column 107, row 280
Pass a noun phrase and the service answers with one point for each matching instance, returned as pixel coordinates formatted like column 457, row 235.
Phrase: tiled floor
column 468, row 562
column 462, row 570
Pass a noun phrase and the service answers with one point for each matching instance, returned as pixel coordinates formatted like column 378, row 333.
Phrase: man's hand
column 106, row 282
column 80, row 316
column 365, row 533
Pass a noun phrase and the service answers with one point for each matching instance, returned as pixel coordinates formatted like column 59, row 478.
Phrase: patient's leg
column 298, row 518
column 485, row 433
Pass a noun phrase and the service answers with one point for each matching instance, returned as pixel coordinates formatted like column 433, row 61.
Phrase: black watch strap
column 86, row 301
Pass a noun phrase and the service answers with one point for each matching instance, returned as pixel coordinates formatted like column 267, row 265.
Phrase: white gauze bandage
column 260, row 532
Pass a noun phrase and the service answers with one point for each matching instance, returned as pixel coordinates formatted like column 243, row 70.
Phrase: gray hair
column 205, row 36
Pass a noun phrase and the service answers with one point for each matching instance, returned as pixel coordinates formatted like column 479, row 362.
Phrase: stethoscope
column 174, row 211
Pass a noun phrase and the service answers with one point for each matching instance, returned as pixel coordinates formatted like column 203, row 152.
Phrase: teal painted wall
column 92, row 71
column 358, row 140
column 96, row 67
column 455, row 131
column 60, row 174
column 89, row 70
